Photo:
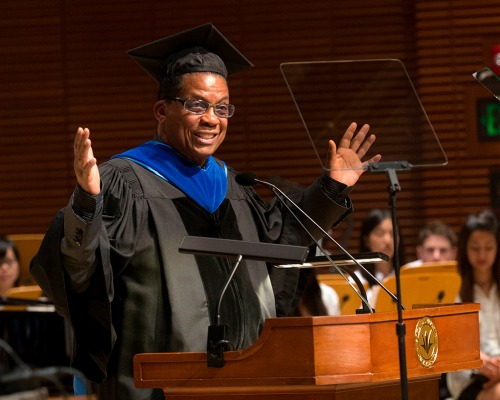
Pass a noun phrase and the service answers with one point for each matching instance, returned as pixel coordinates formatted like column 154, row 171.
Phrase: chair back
column 24, row 292
column 349, row 301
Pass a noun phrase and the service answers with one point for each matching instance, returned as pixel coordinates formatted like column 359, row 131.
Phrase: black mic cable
column 250, row 179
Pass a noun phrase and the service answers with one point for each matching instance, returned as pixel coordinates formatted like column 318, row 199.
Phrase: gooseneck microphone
column 250, row 179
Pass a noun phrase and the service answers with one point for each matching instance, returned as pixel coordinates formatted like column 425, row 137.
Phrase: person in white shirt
column 318, row 299
column 479, row 266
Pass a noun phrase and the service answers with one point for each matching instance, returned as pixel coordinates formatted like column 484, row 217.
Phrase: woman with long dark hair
column 318, row 299
column 377, row 235
column 10, row 269
column 478, row 264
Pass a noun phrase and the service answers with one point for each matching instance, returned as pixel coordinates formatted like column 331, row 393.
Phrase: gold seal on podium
column 426, row 342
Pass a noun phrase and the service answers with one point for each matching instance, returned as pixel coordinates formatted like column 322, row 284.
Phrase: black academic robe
column 137, row 293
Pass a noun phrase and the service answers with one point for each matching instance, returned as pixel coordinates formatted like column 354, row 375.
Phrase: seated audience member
column 436, row 242
column 10, row 269
column 377, row 235
column 478, row 264
column 318, row 299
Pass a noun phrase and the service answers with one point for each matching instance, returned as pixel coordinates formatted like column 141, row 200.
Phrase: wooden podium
column 320, row 358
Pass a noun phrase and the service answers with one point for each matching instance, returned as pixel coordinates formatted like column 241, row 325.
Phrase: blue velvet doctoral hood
column 206, row 186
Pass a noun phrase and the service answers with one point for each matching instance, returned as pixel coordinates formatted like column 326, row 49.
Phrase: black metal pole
column 390, row 169
column 400, row 326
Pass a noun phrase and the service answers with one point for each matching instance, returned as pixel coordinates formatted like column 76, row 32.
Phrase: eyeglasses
column 8, row 262
column 197, row 106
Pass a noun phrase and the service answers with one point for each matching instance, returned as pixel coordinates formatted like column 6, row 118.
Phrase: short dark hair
column 171, row 85
column 437, row 228
column 6, row 244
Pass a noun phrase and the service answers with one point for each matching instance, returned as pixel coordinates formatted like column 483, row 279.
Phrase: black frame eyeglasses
column 198, row 107
column 9, row 262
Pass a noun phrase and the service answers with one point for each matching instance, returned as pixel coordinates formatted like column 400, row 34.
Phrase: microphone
column 250, row 179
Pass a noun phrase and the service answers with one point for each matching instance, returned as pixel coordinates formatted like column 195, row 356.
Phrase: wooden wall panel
column 64, row 65
column 33, row 156
column 453, row 39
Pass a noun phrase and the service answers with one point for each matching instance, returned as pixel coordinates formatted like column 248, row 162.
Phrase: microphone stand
column 279, row 194
column 390, row 169
column 216, row 339
column 361, row 290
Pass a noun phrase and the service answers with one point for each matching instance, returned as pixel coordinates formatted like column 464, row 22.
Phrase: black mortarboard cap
column 200, row 49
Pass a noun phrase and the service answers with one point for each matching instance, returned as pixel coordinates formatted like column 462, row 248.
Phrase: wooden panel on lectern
column 314, row 352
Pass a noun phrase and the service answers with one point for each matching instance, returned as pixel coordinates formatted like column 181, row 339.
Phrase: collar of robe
column 206, row 186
